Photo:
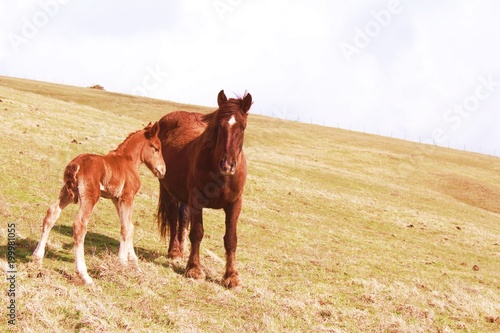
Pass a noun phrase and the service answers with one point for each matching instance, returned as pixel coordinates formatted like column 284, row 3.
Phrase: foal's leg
column 87, row 204
column 231, row 278
column 193, row 268
column 124, row 207
column 50, row 219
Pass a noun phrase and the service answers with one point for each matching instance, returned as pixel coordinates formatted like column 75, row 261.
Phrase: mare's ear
column 152, row 130
column 221, row 98
column 246, row 102
column 155, row 129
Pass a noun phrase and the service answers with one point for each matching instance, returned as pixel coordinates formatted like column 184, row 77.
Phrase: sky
column 425, row 70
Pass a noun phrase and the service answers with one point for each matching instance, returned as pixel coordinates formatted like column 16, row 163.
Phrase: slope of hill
column 340, row 231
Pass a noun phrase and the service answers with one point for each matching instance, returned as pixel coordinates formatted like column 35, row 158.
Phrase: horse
column 207, row 169
column 113, row 176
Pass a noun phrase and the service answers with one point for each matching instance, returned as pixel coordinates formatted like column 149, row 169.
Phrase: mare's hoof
column 175, row 254
column 195, row 273
column 232, row 282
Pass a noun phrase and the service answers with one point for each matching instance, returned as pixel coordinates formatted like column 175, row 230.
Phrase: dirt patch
column 97, row 86
column 471, row 191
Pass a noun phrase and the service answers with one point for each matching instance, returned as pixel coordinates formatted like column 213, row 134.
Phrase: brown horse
column 206, row 169
column 114, row 176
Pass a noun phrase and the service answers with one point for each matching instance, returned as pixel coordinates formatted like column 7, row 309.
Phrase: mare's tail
column 163, row 200
column 70, row 188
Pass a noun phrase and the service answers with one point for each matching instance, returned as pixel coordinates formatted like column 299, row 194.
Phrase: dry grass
column 340, row 231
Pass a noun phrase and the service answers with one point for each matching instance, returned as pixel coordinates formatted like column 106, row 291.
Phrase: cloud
column 415, row 66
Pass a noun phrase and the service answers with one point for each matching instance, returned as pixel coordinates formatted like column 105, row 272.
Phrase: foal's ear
column 221, row 98
column 246, row 102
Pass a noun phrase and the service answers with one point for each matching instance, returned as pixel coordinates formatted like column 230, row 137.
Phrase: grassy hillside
column 340, row 231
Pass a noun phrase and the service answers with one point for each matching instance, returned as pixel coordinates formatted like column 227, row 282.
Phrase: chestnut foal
column 113, row 176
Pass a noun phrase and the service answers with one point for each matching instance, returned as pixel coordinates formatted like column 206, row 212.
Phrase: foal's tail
column 163, row 225
column 70, row 188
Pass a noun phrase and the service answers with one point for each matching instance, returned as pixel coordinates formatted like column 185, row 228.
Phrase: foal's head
column 231, row 119
column 151, row 152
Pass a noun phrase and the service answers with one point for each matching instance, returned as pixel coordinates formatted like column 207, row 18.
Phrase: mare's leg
column 184, row 220
column 231, row 278
column 124, row 207
column 193, row 267
column 87, row 203
column 50, row 219
column 174, row 249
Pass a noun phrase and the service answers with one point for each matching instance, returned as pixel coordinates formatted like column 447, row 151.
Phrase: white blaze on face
column 232, row 121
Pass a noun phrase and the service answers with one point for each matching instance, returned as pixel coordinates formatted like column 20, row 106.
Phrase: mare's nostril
column 227, row 167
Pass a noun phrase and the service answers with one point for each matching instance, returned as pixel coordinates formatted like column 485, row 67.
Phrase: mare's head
column 151, row 152
column 231, row 121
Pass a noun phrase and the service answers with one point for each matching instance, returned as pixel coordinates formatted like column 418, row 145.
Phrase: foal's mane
column 122, row 145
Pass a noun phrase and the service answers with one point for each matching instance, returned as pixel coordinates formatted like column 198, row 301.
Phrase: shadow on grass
column 23, row 249
column 97, row 244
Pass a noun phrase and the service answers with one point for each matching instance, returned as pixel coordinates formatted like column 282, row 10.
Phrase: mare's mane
column 232, row 106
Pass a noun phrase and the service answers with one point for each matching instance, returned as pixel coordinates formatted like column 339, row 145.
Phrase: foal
column 113, row 176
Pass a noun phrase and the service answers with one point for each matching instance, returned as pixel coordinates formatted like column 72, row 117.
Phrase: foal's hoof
column 37, row 260
column 86, row 279
column 195, row 273
column 135, row 264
